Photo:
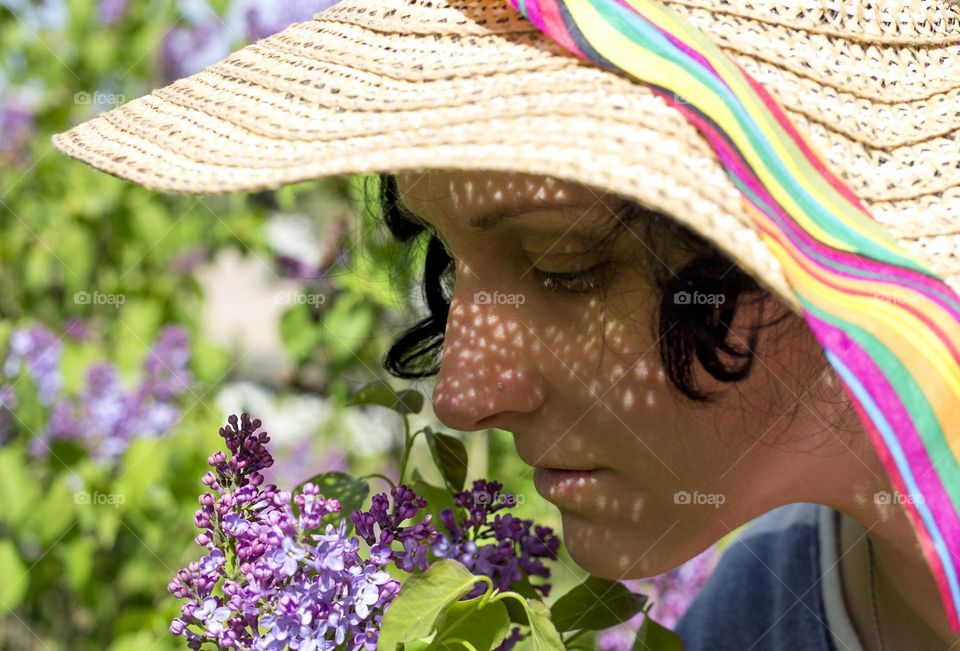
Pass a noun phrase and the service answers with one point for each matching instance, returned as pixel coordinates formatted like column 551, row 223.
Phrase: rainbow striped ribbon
column 889, row 327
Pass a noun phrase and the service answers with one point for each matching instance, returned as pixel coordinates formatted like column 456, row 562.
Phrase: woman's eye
column 584, row 281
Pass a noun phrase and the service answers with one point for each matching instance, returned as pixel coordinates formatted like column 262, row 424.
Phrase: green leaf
column 19, row 489
column 77, row 556
column 450, row 455
column 423, row 598
column 300, row 335
column 596, row 604
column 484, row 626
column 437, row 498
column 655, row 637
column 346, row 327
column 14, row 573
column 523, row 587
column 543, row 635
column 349, row 490
column 380, row 393
column 53, row 514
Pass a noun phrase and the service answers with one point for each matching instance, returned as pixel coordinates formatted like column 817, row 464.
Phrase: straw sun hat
column 816, row 142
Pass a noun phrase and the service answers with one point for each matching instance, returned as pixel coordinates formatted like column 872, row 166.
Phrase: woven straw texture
column 373, row 86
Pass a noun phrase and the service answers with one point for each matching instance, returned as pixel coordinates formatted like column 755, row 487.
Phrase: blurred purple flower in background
column 78, row 330
column 305, row 250
column 110, row 11
column 39, row 15
column 266, row 17
column 187, row 50
column 209, row 37
column 16, row 131
column 38, row 352
column 671, row 594
column 106, row 416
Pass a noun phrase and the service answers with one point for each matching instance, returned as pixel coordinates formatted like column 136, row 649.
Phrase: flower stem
column 408, row 440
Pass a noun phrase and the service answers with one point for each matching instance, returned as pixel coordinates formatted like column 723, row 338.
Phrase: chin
column 609, row 551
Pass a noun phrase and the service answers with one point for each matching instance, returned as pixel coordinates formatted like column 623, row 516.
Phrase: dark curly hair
column 687, row 331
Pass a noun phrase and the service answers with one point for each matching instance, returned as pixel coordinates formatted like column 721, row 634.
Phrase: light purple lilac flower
column 300, row 581
column 78, row 330
column 265, row 17
column 37, row 351
column 106, row 416
column 292, row 578
column 17, row 128
column 187, row 50
column 111, row 11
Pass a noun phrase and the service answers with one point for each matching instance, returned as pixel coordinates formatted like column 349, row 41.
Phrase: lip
column 561, row 485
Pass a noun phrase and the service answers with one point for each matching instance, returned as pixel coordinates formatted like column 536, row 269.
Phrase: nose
column 487, row 376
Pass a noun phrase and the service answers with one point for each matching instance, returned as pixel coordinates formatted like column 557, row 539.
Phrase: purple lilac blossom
column 39, row 15
column 16, row 132
column 39, row 351
column 106, row 416
column 297, row 580
column 110, row 11
column 187, row 50
column 78, row 330
column 290, row 581
column 519, row 548
column 264, row 17
column 671, row 594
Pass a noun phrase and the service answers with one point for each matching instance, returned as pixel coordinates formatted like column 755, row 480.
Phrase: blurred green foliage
column 87, row 548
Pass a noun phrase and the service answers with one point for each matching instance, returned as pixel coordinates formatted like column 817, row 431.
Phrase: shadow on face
column 553, row 335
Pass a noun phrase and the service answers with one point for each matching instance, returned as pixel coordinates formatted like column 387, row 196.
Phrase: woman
column 650, row 453
column 666, row 382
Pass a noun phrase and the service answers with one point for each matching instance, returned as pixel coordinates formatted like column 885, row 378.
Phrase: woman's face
column 554, row 341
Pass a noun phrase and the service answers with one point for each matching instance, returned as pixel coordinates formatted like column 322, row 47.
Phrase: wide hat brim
column 395, row 85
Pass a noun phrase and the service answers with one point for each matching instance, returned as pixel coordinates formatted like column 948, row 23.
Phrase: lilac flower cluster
column 383, row 525
column 285, row 582
column 111, row 11
column 37, row 352
column 265, row 18
column 105, row 417
column 280, row 573
column 208, row 37
column 514, row 544
column 17, row 125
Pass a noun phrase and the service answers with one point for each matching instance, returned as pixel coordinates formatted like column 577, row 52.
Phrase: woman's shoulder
column 764, row 592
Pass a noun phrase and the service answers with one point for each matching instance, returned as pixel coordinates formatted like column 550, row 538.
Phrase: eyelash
column 586, row 281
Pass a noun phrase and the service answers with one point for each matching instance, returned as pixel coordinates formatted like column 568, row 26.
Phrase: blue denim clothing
column 768, row 591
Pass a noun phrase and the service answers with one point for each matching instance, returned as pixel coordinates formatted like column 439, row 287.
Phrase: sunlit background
column 132, row 322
